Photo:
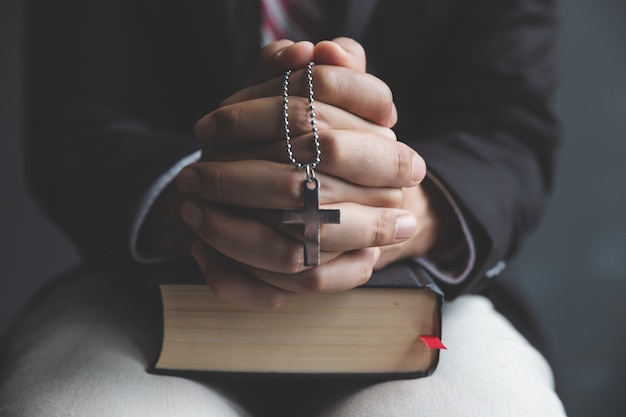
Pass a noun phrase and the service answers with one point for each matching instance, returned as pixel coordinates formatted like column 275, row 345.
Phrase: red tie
column 296, row 19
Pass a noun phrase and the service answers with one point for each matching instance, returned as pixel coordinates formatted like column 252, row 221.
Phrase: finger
column 348, row 53
column 276, row 57
column 232, row 283
column 359, row 93
column 246, row 240
column 348, row 271
column 437, row 224
column 343, row 52
column 270, row 185
column 370, row 160
column 260, row 120
column 356, row 92
column 360, row 227
column 358, row 157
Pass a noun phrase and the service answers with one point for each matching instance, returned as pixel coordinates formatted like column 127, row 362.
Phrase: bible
column 389, row 327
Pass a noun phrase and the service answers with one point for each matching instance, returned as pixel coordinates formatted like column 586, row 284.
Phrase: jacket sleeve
column 107, row 112
column 478, row 110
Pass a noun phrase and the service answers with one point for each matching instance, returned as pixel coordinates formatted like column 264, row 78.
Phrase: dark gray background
column 573, row 267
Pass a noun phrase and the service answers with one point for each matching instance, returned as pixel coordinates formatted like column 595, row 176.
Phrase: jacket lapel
column 358, row 17
column 230, row 27
column 235, row 25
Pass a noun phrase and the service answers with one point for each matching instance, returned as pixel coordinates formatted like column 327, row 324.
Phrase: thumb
column 342, row 52
column 276, row 57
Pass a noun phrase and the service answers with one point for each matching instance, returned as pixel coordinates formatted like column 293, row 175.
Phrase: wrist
column 449, row 249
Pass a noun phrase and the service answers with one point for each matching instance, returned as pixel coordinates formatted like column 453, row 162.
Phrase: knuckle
column 330, row 146
column 214, row 183
column 293, row 185
column 214, row 232
column 391, row 197
column 226, row 119
column 394, row 198
column 299, row 116
column 314, row 281
column 326, row 79
column 293, row 259
column 218, row 238
column 384, row 229
column 215, row 238
column 403, row 164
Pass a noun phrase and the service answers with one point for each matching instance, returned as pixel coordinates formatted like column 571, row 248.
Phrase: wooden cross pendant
column 311, row 217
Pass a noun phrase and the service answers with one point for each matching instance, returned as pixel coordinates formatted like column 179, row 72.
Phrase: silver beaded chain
column 309, row 78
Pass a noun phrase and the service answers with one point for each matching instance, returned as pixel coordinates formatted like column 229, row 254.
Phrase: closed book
column 384, row 328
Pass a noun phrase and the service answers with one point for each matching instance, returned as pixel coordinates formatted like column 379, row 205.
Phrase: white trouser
column 83, row 350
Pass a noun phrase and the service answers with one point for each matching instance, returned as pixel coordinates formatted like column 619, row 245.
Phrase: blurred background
column 573, row 267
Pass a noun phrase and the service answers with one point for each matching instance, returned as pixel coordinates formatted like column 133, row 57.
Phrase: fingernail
column 418, row 169
column 405, row 227
column 188, row 181
column 192, row 214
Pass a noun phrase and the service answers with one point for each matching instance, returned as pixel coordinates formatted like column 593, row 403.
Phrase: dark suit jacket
column 114, row 88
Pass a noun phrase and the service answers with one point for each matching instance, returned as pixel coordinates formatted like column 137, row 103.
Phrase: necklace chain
column 309, row 79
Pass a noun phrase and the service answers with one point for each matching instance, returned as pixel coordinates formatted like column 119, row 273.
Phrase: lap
column 489, row 369
column 84, row 349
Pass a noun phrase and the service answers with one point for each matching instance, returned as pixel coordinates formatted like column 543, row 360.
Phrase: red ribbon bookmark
column 433, row 342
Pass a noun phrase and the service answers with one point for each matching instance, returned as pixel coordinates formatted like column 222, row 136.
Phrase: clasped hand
column 234, row 197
